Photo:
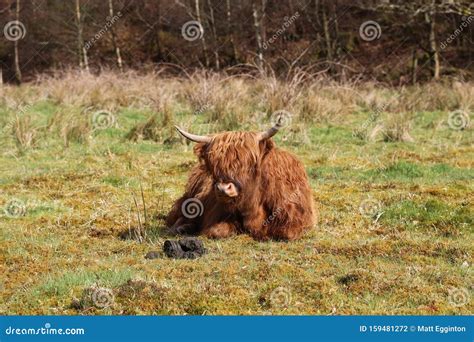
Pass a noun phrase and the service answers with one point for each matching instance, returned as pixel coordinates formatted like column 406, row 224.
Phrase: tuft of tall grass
column 70, row 125
column 158, row 127
column 24, row 132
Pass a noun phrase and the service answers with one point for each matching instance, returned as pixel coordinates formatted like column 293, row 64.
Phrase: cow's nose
column 224, row 187
column 228, row 189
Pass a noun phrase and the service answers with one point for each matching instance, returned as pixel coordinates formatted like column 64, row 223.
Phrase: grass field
column 395, row 224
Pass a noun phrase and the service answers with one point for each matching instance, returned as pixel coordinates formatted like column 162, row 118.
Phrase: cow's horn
column 272, row 131
column 193, row 137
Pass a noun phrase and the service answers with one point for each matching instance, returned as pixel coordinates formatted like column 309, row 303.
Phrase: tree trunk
column 316, row 11
column 203, row 39
column 291, row 7
column 414, row 67
column 230, row 32
column 434, row 53
column 114, row 37
column 335, row 46
column 214, row 34
column 314, row 19
column 327, row 34
column 263, row 15
column 258, row 36
column 15, row 46
column 156, row 34
column 83, row 59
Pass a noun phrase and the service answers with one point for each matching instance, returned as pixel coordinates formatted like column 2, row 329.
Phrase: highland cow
column 243, row 184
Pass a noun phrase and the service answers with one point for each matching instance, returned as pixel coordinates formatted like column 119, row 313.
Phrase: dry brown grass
column 24, row 132
column 107, row 90
column 398, row 127
column 227, row 102
column 155, row 128
column 218, row 94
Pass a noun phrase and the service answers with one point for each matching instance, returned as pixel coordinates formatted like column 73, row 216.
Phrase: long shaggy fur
column 275, row 199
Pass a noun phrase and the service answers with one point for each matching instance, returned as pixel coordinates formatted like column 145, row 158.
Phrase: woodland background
column 324, row 36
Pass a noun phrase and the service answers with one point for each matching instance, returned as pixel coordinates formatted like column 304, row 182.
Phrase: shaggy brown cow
column 243, row 183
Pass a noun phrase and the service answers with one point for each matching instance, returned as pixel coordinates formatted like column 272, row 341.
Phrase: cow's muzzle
column 227, row 189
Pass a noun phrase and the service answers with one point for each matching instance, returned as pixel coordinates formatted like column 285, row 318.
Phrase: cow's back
column 287, row 194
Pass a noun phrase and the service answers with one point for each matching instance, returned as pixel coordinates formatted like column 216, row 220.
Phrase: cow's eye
column 237, row 184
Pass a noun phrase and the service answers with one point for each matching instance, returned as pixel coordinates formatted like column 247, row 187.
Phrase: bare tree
column 15, row 46
column 429, row 10
column 82, row 51
column 212, row 22
column 230, row 30
column 418, row 35
column 113, row 36
column 430, row 18
column 327, row 33
column 258, row 35
column 151, row 17
column 203, row 39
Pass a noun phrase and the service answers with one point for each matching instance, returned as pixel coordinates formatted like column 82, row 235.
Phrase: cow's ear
column 266, row 146
column 200, row 150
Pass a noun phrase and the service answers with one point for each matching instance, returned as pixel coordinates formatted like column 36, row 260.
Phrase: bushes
column 206, row 102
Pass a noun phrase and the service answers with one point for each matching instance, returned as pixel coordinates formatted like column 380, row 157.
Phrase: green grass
column 430, row 215
column 403, row 259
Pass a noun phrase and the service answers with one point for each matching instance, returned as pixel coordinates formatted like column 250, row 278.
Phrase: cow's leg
column 254, row 223
column 217, row 224
column 287, row 233
column 178, row 224
column 182, row 227
column 175, row 213
column 220, row 230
